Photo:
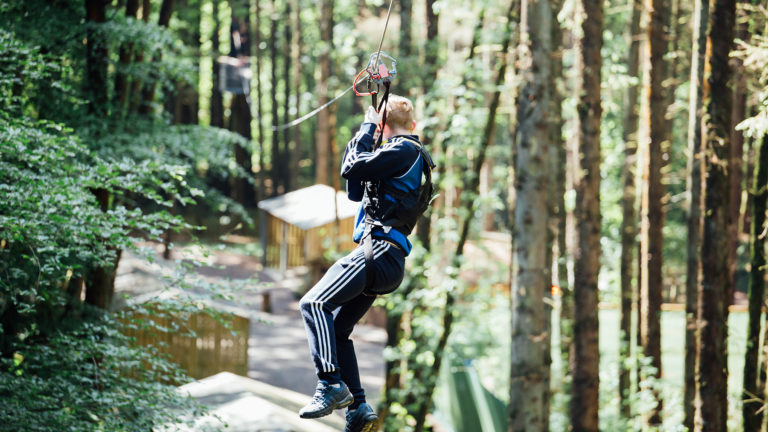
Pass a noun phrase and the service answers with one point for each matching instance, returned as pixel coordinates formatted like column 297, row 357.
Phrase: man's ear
column 413, row 125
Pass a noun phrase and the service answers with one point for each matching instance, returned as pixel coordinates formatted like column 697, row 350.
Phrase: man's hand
column 371, row 116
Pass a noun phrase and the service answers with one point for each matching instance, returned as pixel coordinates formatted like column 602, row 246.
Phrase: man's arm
column 361, row 163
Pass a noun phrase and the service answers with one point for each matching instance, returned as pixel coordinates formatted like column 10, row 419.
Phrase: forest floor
column 278, row 353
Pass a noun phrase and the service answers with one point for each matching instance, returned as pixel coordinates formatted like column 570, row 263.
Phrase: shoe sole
column 347, row 401
column 370, row 425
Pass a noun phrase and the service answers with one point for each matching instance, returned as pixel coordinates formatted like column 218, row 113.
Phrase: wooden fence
column 214, row 349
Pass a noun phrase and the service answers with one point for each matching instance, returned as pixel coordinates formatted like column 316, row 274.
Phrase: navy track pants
column 334, row 305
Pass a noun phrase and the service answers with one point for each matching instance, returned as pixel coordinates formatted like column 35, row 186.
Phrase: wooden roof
column 310, row 207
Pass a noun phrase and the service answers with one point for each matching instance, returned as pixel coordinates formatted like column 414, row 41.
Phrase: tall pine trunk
column 288, row 145
column 431, row 66
column 257, row 53
column 715, row 293
column 277, row 154
column 323, row 136
column 148, row 93
column 752, row 395
column 126, row 52
column 651, row 238
column 628, row 198
column 295, row 154
column 217, row 102
column 695, row 211
column 529, row 385
column 586, row 358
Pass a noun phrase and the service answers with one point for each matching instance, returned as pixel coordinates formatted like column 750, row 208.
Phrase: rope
column 381, row 41
column 310, row 114
column 324, row 106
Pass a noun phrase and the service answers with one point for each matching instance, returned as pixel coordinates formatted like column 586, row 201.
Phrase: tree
column 529, row 385
column 240, row 118
column 585, row 361
column 277, row 157
column 653, row 210
column 714, row 294
column 323, row 137
column 431, row 67
column 695, row 188
column 629, row 213
column 217, row 102
column 148, row 93
column 752, row 396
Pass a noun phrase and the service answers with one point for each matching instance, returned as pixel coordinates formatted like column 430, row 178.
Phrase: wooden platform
column 247, row 405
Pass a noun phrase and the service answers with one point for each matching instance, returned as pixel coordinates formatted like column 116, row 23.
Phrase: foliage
column 89, row 378
column 78, row 188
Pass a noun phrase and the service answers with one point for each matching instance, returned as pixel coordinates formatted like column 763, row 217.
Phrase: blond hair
column 399, row 112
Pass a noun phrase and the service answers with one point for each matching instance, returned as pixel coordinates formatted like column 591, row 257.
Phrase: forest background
column 620, row 144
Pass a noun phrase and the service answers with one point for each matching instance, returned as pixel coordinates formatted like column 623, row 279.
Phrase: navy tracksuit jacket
column 335, row 304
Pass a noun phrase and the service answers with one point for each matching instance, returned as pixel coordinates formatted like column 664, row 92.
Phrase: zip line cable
column 339, row 96
column 311, row 113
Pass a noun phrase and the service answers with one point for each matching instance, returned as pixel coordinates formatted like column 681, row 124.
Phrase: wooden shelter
column 299, row 227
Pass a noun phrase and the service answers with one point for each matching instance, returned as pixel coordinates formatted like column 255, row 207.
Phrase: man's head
column 399, row 116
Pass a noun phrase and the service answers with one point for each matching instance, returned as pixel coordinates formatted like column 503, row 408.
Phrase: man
column 388, row 181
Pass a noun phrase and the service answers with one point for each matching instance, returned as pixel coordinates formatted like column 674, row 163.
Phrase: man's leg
column 343, row 282
column 345, row 321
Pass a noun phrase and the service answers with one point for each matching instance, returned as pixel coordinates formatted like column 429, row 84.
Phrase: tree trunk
column 752, row 396
column 100, row 281
column 295, row 155
column 288, row 146
column 431, row 67
column 629, row 213
column 529, row 385
column 240, row 122
column 469, row 204
column 97, row 57
column 558, row 169
column 148, row 93
column 584, row 397
column 735, row 165
column 277, row 158
column 217, row 102
column 126, row 52
column 323, row 136
column 652, row 238
column 135, row 95
column 715, row 293
column 256, row 49
column 695, row 210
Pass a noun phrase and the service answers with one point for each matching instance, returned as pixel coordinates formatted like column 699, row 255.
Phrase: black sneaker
column 326, row 399
column 363, row 419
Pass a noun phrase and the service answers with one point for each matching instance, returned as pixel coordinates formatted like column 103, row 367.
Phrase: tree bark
column 277, row 156
column 295, row 155
column 695, row 210
column 715, row 287
column 628, row 198
column 240, row 122
column 652, row 238
column 585, row 387
column 217, row 102
column 126, row 52
column 324, row 133
column 287, row 135
column 97, row 56
column 529, row 385
column 753, row 395
column 431, row 67
column 148, row 93
column 256, row 50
